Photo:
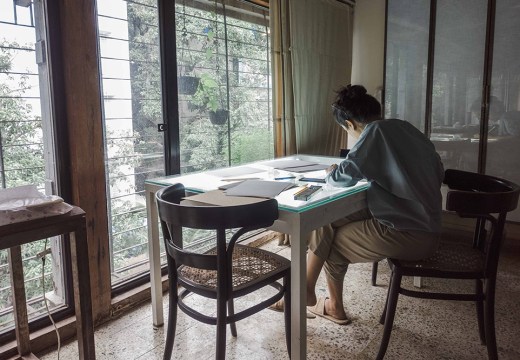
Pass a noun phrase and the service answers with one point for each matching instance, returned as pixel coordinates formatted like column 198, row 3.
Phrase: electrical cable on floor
column 43, row 255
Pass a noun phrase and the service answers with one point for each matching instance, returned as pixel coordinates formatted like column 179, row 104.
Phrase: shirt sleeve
column 346, row 174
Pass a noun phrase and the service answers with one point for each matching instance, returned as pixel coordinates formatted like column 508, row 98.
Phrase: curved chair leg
column 489, row 320
column 383, row 315
column 172, row 318
column 375, row 265
column 231, row 312
column 221, row 329
column 391, row 306
column 480, row 311
column 287, row 312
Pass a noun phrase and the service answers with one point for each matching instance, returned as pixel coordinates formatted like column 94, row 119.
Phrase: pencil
column 301, row 190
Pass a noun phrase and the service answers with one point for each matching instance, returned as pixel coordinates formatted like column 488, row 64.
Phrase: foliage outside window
column 217, row 50
column 22, row 157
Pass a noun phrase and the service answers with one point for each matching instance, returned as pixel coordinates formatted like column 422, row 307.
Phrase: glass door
column 504, row 120
column 134, row 148
column 406, row 61
column 27, row 152
column 460, row 41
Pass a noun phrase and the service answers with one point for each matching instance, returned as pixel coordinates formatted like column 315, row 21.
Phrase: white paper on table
column 308, row 168
column 259, row 188
column 234, row 171
column 287, row 164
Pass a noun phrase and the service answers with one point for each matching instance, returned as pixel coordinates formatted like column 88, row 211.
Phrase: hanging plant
column 187, row 83
column 219, row 116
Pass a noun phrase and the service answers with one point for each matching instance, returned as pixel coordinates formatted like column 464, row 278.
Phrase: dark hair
column 353, row 102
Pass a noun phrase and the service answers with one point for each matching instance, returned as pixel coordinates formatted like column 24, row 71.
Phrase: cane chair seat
column 249, row 264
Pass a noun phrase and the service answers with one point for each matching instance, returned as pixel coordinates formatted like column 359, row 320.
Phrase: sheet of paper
column 217, row 197
column 318, row 176
column 259, row 188
column 287, row 164
column 308, row 168
column 234, row 171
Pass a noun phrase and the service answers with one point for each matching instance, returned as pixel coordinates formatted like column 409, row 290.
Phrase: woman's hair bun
column 355, row 91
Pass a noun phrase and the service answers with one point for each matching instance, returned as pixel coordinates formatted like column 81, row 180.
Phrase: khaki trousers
column 360, row 238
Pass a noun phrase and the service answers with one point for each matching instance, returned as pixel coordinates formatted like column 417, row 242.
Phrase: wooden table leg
column 82, row 295
column 19, row 303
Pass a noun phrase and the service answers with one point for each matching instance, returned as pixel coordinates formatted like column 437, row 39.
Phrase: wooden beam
column 84, row 122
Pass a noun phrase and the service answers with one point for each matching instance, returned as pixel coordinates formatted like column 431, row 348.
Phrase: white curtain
column 312, row 58
column 321, row 53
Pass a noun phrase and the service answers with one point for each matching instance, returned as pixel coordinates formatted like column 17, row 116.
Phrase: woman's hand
column 331, row 168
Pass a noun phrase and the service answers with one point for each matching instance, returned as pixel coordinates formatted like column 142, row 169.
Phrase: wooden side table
column 12, row 236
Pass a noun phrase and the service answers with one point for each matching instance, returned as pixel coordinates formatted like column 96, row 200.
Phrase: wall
column 368, row 44
column 368, row 48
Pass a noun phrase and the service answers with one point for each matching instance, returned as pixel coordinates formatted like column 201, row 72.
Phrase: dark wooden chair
column 227, row 271
column 486, row 199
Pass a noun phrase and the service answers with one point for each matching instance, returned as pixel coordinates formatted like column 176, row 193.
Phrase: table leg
column 82, row 295
column 19, row 303
column 298, row 296
column 155, row 259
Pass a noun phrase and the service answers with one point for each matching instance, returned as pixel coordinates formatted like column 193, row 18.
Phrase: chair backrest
column 175, row 216
column 487, row 199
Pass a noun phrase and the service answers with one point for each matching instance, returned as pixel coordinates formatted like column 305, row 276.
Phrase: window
column 464, row 94
column 26, row 153
column 221, row 114
column 130, row 68
column 224, row 119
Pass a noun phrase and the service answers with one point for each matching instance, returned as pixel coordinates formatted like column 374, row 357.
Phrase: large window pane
column 131, row 82
column 25, row 122
column 227, row 51
column 457, row 81
column 504, row 141
column 224, row 114
column 406, row 60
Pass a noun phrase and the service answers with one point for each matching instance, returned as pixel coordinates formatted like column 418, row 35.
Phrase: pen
column 285, row 177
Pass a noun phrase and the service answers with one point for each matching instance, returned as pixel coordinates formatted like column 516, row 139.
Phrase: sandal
column 319, row 310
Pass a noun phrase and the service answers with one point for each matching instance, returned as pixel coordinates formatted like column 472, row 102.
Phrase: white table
column 296, row 218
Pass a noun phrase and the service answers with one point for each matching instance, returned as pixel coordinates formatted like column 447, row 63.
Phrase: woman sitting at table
column 404, row 201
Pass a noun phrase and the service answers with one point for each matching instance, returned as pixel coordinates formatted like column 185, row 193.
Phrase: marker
column 285, row 178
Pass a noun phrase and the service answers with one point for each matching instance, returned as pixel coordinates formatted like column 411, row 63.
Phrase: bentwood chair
column 226, row 272
column 487, row 200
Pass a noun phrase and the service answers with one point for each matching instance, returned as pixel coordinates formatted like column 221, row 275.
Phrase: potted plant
column 187, row 84
column 187, row 81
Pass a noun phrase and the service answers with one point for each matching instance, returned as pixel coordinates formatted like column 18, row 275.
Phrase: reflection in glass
column 406, row 60
column 457, row 81
column 504, row 144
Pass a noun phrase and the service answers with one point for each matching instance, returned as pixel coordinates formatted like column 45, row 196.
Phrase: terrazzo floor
column 423, row 329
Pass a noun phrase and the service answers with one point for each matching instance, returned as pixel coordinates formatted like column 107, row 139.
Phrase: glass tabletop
column 273, row 170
